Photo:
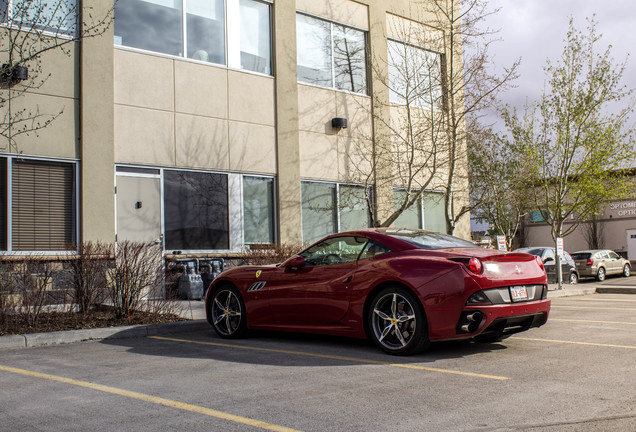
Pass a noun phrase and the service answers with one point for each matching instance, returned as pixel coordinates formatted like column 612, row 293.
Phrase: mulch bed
column 97, row 318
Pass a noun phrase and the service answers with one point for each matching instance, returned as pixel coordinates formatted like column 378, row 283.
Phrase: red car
column 401, row 288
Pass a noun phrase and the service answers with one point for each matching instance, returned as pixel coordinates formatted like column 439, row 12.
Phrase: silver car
column 599, row 263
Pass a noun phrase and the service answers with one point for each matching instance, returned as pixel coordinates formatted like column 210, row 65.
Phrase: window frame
column 333, row 68
column 420, row 207
column 274, row 213
column 75, row 163
column 227, row 55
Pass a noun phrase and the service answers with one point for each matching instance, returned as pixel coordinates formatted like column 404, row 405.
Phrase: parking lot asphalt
column 194, row 310
column 574, row 374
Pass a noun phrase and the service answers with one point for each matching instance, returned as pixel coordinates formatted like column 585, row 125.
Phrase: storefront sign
column 622, row 209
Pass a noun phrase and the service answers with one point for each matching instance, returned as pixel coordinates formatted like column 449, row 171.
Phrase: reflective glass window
column 349, row 57
column 313, row 39
column 255, row 36
column 412, row 216
column 318, row 210
column 354, row 209
column 415, row 76
column 58, row 17
column 196, row 210
column 205, row 24
column 153, row 25
column 258, row 210
column 333, row 251
column 434, row 212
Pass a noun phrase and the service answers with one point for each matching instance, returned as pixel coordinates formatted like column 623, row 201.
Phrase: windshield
column 428, row 239
column 581, row 256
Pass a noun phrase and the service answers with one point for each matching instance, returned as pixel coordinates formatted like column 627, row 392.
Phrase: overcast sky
column 534, row 30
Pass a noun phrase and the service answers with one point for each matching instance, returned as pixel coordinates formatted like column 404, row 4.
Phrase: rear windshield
column 581, row 256
column 428, row 240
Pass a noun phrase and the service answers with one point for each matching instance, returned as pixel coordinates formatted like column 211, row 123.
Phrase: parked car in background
column 599, row 263
column 569, row 271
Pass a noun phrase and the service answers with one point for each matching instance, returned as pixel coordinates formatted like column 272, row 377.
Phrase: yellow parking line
column 152, row 399
column 574, row 343
column 334, row 357
column 594, row 322
column 591, row 307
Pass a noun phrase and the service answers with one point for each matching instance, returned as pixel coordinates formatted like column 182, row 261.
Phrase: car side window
column 614, row 255
column 549, row 253
column 337, row 250
column 373, row 249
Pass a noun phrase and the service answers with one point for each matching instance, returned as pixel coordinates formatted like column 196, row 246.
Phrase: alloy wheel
column 226, row 312
column 393, row 321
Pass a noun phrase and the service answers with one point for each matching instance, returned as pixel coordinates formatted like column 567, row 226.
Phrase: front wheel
column 574, row 278
column 397, row 323
column 228, row 312
column 626, row 270
column 600, row 276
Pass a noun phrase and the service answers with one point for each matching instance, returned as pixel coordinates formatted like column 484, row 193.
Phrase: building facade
column 210, row 125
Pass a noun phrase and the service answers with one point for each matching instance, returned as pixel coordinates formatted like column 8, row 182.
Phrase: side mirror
column 548, row 260
column 294, row 263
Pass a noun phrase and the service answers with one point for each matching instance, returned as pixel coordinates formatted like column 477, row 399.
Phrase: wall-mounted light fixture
column 14, row 74
column 339, row 123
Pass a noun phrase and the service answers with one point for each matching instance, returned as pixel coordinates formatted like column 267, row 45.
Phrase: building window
column 331, row 55
column 411, row 217
column 328, row 208
column 197, row 29
column 196, row 210
column 57, row 17
column 38, row 205
column 415, row 76
column 427, row 212
column 258, row 210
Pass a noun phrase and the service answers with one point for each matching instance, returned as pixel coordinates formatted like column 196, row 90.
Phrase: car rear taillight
column 475, row 265
column 590, row 262
column 540, row 262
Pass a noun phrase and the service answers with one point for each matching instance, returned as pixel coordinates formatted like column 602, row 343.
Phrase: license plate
column 518, row 293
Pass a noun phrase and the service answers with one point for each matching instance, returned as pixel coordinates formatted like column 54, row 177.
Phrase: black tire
column 600, row 275
column 397, row 322
column 627, row 270
column 574, row 278
column 227, row 312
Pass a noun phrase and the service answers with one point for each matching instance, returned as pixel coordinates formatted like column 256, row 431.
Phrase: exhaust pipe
column 474, row 317
column 465, row 328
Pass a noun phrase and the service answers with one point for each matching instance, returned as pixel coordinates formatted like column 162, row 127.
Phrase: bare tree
column 439, row 77
column 29, row 29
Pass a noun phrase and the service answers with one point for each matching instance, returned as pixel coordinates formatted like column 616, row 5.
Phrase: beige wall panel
column 316, row 108
column 357, row 111
column 144, row 80
column 342, row 11
column 413, row 32
column 59, row 138
column 201, row 142
column 201, row 89
column 144, row 136
column 355, row 159
column 252, row 98
column 252, row 148
column 318, row 156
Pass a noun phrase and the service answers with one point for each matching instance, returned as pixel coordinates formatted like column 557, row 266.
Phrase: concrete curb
column 569, row 291
column 125, row 332
column 616, row 289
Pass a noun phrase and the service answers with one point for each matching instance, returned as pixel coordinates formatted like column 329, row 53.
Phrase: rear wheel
column 601, row 274
column 397, row 323
column 228, row 312
column 626, row 270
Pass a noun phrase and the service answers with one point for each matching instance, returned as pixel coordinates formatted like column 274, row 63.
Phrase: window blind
column 43, row 205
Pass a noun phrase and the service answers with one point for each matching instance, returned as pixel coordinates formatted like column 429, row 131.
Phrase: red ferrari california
column 402, row 288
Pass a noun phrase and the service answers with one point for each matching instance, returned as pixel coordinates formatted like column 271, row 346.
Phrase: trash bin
column 209, row 269
column 190, row 283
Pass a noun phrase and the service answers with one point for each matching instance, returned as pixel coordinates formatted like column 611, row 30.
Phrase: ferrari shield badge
column 258, row 274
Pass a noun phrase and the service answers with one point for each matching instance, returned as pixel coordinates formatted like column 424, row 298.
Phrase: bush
column 88, row 274
column 269, row 254
column 137, row 273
